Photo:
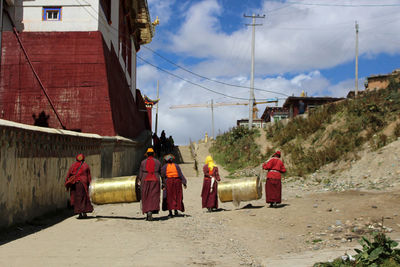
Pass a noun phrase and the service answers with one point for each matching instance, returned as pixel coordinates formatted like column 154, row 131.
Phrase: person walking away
column 209, row 192
column 149, row 181
column 77, row 182
column 156, row 144
column 173, row 180
column 171, row 144
column 273, row 186
column 302, row 108
column 163, row 141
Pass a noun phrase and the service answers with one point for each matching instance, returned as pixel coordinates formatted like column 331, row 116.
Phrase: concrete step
column 188, row 165
column 186, row 153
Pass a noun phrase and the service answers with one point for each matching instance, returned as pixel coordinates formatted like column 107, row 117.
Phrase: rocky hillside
column 346, row 144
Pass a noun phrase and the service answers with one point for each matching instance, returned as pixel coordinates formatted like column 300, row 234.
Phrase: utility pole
column 212, row 117
column 356, row 91
column 253, row 37
column 156, row 111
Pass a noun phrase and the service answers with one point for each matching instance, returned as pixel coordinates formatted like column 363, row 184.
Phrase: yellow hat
column 149, row 150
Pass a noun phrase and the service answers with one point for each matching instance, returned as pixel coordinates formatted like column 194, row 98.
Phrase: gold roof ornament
column 156, row 22
column 143, row 21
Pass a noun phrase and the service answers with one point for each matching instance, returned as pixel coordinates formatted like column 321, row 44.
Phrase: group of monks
column 153, row 178
column 172, row 181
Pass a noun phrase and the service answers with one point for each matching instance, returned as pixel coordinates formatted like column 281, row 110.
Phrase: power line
column 188, row 81
column 206, row 78
column 187, row 70
column 343, row 5
column 170, row 73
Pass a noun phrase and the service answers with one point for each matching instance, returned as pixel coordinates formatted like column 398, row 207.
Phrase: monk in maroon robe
column 149, row 181
column 173, row 180
column 79, row 187
column 273, row 186
column 209, row 193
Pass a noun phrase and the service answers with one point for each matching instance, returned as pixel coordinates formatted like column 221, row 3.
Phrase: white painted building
column 115, row 19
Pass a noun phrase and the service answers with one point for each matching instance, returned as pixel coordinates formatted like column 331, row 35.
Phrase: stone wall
column 34, row 162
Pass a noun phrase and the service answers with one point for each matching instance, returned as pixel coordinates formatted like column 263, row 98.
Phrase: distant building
column 257, row 123
column 74, row 62
column 381, row 81
column 295, row 104
column 149, row 106
column 274, row 114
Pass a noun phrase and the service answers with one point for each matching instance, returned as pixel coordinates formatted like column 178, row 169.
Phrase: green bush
column 380, row 252
column 304, row 141
column 369, row 113
column 237, row 149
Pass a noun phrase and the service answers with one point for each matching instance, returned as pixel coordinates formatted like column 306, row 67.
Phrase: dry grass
column 336, row 130
column 331, row 132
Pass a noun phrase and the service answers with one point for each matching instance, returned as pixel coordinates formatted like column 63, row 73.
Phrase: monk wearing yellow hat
column 149, row 180
column 209, row 192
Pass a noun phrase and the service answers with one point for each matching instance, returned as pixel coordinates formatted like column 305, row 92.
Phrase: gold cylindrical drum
column 114, row 190
column 237, row 190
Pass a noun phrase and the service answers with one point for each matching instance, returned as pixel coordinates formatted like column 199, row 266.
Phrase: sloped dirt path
column 308, row 228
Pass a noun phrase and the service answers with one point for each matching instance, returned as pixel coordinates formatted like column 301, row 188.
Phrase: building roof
column 276, row 110
column 393, row 73
column 309, row 100
column 143, row 22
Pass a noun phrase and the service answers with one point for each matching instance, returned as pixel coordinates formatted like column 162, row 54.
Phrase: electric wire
column 206, row 78
column 343, row 5
column 227, row 84
column 188, row 81
column 176, row 76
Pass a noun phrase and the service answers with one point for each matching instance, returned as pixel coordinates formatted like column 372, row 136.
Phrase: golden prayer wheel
column 114, row 190
column 237, row 190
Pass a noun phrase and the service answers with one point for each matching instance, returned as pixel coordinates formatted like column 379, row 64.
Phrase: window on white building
column 52, row 13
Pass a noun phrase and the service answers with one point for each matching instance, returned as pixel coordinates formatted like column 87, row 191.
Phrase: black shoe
column 170, row 214
column 271, row 205
column 209, row 209
column 149, row 216
column 176, row 213
column 80, row 216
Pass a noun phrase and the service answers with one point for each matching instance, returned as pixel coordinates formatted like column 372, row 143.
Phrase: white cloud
column 297, row 39
column 162, row 9
column 193, row 123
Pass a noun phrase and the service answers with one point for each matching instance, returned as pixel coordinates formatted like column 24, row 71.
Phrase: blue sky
column 302, row 45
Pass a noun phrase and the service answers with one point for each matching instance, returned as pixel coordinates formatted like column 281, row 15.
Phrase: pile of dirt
column 370, row 170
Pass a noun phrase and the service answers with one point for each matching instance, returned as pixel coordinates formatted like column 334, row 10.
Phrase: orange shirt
column 171, row 171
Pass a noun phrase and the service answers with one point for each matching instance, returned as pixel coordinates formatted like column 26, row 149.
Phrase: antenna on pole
column 253, row 37
column 356, row 74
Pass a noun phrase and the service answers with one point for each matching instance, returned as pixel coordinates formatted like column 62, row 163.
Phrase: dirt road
column 307, row 228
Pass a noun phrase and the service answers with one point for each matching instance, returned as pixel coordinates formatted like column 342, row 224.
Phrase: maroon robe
column 149, row 175
column 273, row 186
column 79, row 192
column 173, row 186
column 210, row 199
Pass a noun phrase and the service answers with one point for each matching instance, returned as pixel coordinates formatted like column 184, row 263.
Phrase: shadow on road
column 99, row 217
column 279, row 206
column 155, row 218
column 217, row 210
column 42, row 222
column 250, row 206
